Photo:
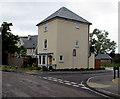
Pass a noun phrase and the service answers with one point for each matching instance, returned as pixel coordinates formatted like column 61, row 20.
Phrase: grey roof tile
column 103, row 56
column 66, row 14
column 32, row 43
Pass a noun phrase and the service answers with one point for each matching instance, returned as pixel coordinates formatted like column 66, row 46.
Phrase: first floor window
column 77, row 43
column 61, row 58
column 45, row 44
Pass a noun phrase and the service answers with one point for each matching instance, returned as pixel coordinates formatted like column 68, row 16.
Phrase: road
column 48, row 84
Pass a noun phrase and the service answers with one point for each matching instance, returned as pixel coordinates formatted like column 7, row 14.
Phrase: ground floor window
column 41, row 60
column 61, row 58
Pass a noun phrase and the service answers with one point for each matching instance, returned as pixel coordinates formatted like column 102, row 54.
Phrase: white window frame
column 77, row 44
column 61, row 61
column 44, row 44
column 45, row 27
column 41, row 61
column 77, row 25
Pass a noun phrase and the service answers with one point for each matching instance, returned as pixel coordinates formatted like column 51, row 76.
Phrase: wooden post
column 118, row 72
column 114, row 69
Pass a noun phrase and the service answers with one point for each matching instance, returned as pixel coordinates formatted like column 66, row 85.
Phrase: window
column 45, row 28
column 77, row 44
column 74, row 52
column 45, row 44
column 77, row 25
column 42, row 60
column 61, row 58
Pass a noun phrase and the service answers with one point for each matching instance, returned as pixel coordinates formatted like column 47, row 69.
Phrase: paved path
column 105, row 84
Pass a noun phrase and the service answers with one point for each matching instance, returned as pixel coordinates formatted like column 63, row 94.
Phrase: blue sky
column 24, row 15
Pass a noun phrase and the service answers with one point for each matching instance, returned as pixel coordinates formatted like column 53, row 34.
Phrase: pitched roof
column 30, row 43
column 66, row 14
column 103, row 56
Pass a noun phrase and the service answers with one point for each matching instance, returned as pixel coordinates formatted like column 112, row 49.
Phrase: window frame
column 76, row 44
column 45, row 44
column 45, row 27
column 61, row 61
column 77, row 25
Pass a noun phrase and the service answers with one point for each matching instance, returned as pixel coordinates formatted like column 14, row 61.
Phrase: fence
column 20, row 62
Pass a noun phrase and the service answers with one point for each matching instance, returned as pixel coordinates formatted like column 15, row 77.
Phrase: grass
column 110, row 64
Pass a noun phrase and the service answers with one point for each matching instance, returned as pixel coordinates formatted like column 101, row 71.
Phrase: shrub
column 37, row 68
column 44, row 68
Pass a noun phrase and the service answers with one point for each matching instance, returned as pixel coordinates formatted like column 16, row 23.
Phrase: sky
column 103, row 14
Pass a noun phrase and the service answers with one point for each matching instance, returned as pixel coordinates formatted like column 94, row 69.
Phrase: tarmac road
column 45, row 84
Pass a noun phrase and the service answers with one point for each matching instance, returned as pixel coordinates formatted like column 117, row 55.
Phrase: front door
column 50, row 60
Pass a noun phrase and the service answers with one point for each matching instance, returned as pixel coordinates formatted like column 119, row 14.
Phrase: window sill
column 61, row 61
column 45, row 30
column 44, row 48
column 76, row 46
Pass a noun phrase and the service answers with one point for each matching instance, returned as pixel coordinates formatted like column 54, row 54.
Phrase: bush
column 34, row 65
column 44, row 68
column 37, row 68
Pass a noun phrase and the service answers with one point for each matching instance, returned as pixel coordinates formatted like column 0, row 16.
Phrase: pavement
column 105, row 85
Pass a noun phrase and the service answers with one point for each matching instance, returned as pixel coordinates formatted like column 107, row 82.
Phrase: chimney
column 29, row 37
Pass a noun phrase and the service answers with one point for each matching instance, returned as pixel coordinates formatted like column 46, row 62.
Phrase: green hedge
column 44, row 68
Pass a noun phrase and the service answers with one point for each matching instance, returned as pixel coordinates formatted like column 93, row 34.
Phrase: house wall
column 51, row 36
column 106, row 61
column 66, row 38
column 62, row 35
column 30, row 51
column 92, row 60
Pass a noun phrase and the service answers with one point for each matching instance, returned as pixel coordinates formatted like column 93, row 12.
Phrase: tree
column 102, row 44
column 21, row 52
column 9, row 42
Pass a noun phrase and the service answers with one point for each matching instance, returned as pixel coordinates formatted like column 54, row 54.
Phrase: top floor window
column 77, row 44
column 45, row 27
column 77, row 25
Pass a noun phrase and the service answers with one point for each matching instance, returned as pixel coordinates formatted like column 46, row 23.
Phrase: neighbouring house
column 30, row 43
column 63, row 40
column 102, row 58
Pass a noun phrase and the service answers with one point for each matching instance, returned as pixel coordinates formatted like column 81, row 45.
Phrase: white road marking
column 61, row 82
column 44, row 77
column 55, row 80
column 81, row 85
column 85, row 87
column 68, row 83
column 75, row 85
column 49, row 77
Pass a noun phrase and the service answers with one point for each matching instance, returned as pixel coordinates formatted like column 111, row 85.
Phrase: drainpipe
column 88, row 47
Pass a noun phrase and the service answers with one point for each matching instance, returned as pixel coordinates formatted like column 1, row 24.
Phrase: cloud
column 25, row 15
